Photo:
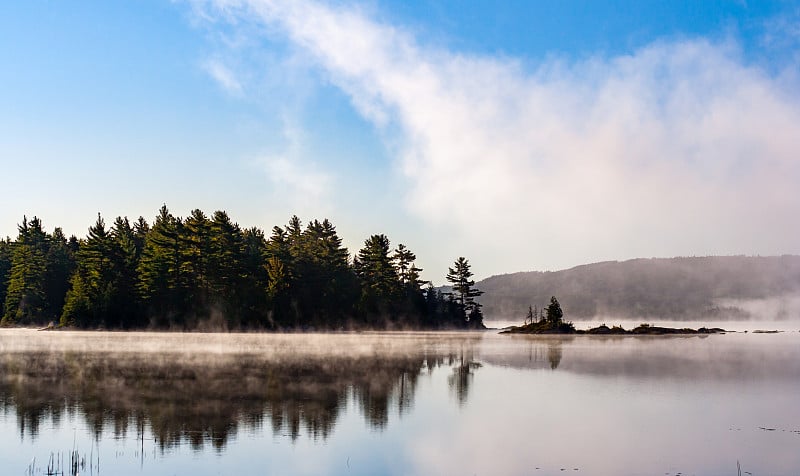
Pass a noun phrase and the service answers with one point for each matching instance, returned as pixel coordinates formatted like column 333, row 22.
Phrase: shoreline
column 561, row 328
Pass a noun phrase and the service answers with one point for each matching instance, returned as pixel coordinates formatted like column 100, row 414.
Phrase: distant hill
column 718, row 287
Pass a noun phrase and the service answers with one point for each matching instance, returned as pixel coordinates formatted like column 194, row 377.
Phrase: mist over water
column 742, row 325
column 400, row 403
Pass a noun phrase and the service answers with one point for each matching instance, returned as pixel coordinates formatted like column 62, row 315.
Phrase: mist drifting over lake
column 448, row 403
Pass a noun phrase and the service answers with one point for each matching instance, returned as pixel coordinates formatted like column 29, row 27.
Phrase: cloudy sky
column 524, row 135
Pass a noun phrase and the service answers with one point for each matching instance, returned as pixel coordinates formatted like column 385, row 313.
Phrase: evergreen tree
column 102, row 291
column 26, row 301
column 160, row 281
column 433, row 304
column 225, row 264
column 278, row 245
column 140, row 231
column 278, row 281
column 340, row 285
column 379, row 280
column 554, row 312
column 59, row 266
column 413, row 308
column 278, row 265
column 254, row 301
column 294, row 233
column 408, row 273
column 89, row 300
column 73, row 244
column 5, row 271
column 463, row 287
column 125, row 252
column 25, row 298
column 322, row 287
column 195, row 262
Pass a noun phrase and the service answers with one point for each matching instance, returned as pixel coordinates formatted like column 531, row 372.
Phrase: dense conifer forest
column 206, row 272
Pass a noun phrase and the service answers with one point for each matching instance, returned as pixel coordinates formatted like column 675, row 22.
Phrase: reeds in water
column 60, row 464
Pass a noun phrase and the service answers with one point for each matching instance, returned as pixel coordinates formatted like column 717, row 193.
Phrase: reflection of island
column 554, row 354
column 543, row 353
column 185, row 398
column 682, row 357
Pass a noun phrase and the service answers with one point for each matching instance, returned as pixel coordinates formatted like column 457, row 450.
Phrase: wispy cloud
column 297, row 181
column 223, row 75
column 781, row 34
column 677, row 148
column 303, row 182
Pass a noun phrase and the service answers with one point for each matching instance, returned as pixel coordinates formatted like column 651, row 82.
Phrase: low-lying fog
column 401, row 403
column 742, row 325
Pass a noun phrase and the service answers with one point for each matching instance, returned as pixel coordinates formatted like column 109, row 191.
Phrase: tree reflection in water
column 554, row 354
column 182, row 398
column 461, row 378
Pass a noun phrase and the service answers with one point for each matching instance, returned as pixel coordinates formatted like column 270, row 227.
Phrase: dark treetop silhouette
column 208, row 273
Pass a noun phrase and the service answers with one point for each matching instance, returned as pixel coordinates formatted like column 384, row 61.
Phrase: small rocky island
column 553, row 323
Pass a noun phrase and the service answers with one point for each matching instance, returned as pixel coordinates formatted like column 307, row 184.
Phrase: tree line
column 206, row 272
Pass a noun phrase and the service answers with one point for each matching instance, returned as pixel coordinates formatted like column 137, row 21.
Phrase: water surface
column 399, row 403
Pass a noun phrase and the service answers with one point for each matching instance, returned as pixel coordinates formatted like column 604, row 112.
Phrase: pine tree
column 463, row 287
column 125, row 254
column 412, row 310
column 89, row 300
column 226, row 271
column 294, row 233
column 408, row 273
column 59, row 266
column 379, row 280
column 5, row 271
column 253, row 300
column 140, row 231
column 339, row 284
column 278, row 265
column 465, row 292
column 160, row 282
column 278, row 281
column 322, row 282
column 102, row 291
column 554, row 312
column 195, row 267
column 433, row 304
column 195, row 261
column 26, row 300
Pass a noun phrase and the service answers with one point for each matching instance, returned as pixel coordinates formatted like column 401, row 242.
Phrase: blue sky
column 521, row 134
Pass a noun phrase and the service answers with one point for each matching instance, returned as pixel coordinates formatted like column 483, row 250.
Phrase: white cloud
column 298, row 182
column 677, row 148
column 224, row 76
column 287, row 171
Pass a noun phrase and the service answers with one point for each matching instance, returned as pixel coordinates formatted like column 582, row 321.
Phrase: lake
column 438, row 403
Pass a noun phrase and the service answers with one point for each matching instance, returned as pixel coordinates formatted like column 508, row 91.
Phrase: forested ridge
column 712, row 287
column 206, row 272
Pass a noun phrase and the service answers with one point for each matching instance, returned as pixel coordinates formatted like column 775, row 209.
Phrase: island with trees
column 550, row 320
column 208, row 273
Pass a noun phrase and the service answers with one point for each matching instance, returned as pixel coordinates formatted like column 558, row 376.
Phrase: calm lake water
column 399, row 403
